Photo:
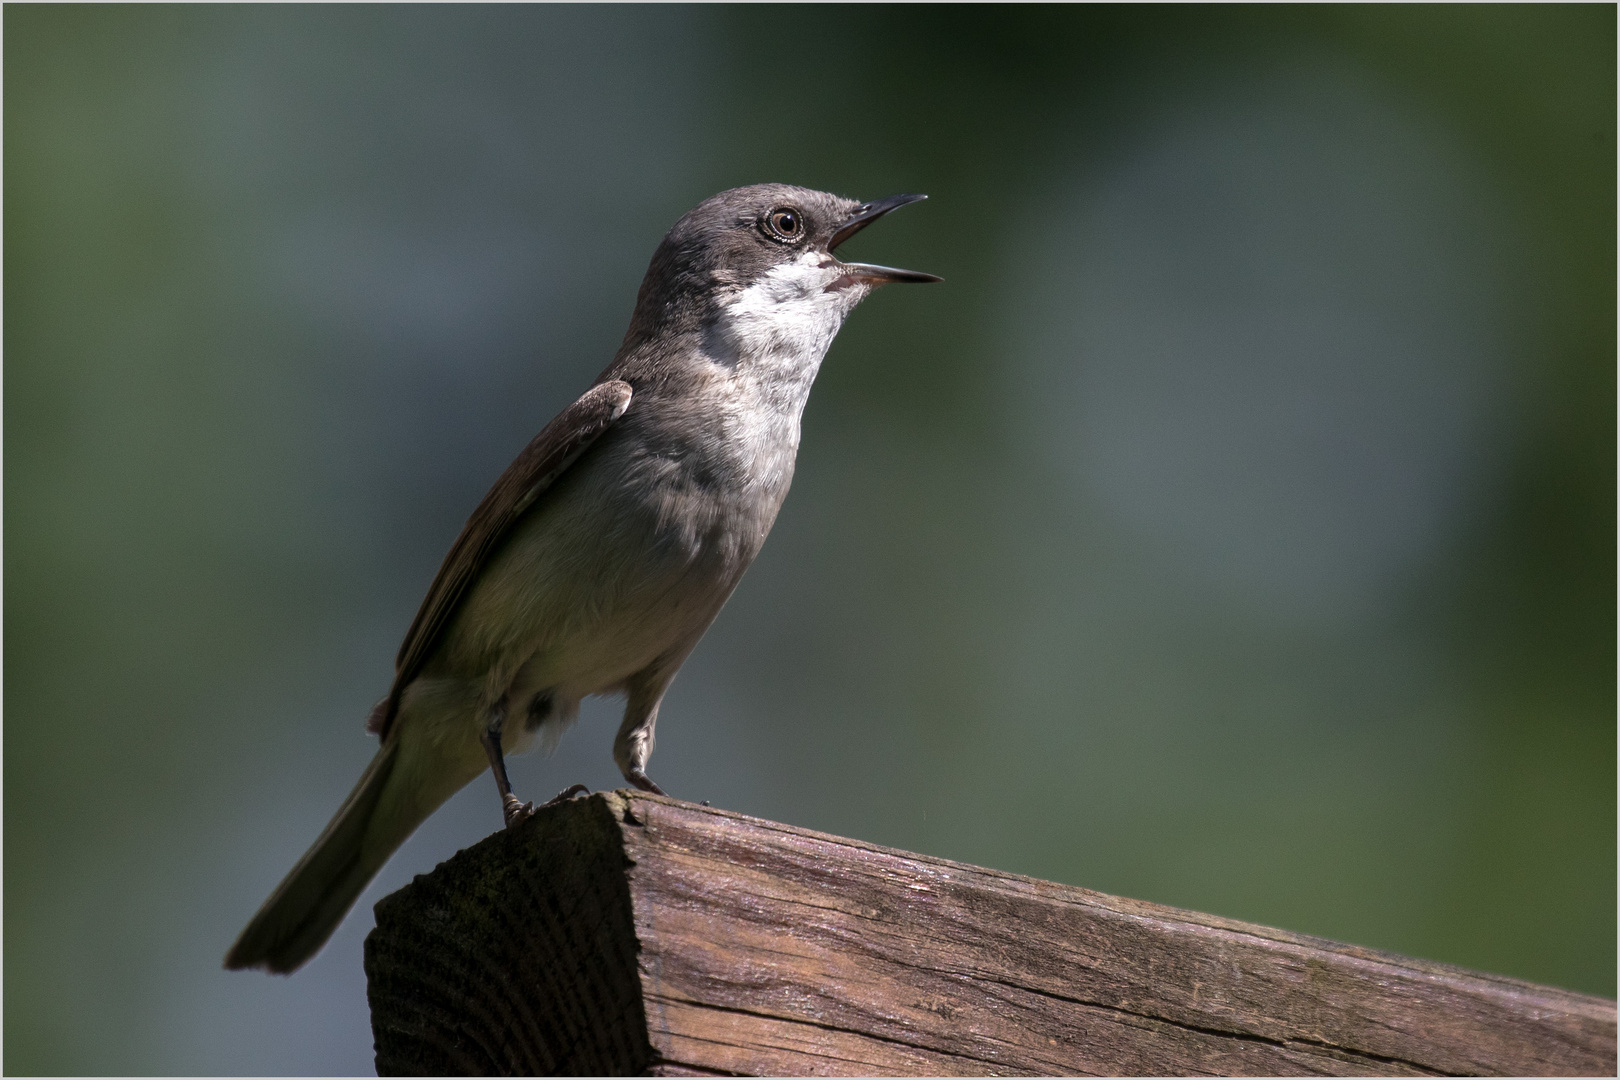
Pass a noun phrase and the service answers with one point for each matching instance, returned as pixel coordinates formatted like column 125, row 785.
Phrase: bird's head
column 758, row 264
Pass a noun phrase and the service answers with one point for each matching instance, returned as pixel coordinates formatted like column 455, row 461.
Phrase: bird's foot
column 566, row 794
column 516, row 812
column 639, row 778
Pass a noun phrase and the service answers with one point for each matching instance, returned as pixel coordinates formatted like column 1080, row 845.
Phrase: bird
column 605, row 550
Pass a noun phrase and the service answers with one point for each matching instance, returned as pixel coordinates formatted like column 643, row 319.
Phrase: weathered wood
column 626, row 933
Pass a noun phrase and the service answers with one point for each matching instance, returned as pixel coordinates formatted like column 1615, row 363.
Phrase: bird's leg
column 634, row 743
column 515, row 811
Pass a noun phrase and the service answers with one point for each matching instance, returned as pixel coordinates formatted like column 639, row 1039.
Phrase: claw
column 516, row 813
column 566, row 794
column 639, row 778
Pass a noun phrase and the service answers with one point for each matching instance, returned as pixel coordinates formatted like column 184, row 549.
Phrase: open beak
column 864, row 215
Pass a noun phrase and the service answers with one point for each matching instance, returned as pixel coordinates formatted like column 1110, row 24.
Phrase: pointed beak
column 882, row 275
column 864, row 215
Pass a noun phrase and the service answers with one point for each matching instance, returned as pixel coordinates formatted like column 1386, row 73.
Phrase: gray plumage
column 603, row 553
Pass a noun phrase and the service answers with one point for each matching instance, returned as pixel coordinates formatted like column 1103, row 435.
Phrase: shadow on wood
column 626, row 933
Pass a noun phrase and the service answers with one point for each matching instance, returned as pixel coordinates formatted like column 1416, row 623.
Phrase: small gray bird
column 603, row 553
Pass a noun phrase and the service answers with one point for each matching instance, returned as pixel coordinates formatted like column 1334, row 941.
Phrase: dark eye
column 785, row 223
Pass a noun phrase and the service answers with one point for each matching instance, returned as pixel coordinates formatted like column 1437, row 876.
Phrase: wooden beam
column 626, row 933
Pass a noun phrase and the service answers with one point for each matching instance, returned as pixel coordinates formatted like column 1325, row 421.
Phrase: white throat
column 766, row 348
column 784, row 323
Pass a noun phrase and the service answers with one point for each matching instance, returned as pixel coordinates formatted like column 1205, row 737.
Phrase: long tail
column 383, row 810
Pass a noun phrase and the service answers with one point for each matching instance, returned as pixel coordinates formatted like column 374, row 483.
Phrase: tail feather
column 308, row 905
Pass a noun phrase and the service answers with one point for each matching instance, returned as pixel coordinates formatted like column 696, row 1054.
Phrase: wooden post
column 629, row 934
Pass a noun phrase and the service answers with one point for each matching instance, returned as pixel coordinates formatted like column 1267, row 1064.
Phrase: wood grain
column 628, row 933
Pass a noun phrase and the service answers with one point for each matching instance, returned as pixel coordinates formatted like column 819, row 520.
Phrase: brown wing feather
column 546, row 457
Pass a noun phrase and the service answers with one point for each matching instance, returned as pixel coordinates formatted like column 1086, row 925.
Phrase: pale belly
column 585, row 594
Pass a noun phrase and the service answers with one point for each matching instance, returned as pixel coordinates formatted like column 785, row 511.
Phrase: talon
column 644, row 782
column 566, row 794
column 516, row 812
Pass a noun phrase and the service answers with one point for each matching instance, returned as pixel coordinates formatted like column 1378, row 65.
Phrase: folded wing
column 536, row 469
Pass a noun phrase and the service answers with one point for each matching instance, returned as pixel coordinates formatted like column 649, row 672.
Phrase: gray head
column 760, row 259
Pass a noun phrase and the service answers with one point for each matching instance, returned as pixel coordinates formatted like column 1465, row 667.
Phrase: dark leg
column 515, row 811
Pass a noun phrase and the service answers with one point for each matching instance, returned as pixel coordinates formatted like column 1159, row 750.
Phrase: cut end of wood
column 517, row 957
column 627, row 933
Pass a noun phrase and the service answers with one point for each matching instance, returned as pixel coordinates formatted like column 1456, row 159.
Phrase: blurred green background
column 1234, row 528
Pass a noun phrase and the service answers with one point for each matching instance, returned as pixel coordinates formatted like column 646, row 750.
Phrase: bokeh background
column 1234, row 528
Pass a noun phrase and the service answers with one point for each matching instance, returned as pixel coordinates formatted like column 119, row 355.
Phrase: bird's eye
column 785, row 223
